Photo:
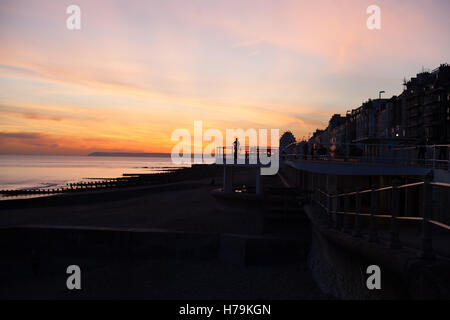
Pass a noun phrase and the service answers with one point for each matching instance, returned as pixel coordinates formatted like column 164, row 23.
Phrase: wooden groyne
column 70, row 187
column 128, row 180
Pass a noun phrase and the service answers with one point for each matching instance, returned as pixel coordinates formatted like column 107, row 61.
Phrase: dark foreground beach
column 158, row 279
column 187, row 208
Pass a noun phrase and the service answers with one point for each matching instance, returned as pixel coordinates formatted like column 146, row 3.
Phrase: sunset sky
column 137, row 70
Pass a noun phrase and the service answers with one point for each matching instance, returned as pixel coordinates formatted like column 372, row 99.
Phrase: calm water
column 27, row 172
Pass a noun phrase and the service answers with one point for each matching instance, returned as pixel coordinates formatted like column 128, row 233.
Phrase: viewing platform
column 386, row 203
column 362, row 159
column 246, row 157
column 394, row 183
column 396, row 218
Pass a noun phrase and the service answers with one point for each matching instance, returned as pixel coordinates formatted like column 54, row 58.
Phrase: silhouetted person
column 305, row 150
column 236, row 149
column 321, row 150
column 422, row 148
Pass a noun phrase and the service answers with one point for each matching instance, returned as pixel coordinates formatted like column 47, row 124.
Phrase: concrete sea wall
column 339, row 262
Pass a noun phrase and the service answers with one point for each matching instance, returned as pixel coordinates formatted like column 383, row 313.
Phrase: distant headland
column 127, row 154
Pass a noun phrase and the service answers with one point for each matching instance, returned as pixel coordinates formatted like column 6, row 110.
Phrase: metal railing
column 431, row 156
column 245, row 155
column 340, row 219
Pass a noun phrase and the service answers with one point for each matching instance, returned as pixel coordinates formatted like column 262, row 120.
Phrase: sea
column 19, row 172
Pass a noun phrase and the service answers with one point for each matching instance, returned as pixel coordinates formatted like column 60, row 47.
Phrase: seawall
column 339, row 262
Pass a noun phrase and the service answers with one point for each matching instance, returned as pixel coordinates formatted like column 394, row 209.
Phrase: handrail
column 380, row 215
column 324, row 200
column 421, row 155
column 367, row 144
column 382, row 189
column 440, row 184
column 410, row 185
column 366, row 157
column 440, row 224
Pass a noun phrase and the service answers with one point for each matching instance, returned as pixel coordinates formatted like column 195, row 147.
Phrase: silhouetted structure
column 420, row 115
column 236, row 149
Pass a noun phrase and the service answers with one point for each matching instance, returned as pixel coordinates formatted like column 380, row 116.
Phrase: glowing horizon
column 137, row 71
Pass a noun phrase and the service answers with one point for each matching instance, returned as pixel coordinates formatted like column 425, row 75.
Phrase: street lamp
column 379, row 94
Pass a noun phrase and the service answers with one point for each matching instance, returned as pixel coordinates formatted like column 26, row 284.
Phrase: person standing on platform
column 236, row 149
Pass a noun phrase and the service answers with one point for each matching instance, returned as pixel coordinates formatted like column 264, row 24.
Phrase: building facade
column 419, row 115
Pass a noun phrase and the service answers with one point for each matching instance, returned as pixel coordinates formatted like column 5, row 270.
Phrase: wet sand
column 191, row 209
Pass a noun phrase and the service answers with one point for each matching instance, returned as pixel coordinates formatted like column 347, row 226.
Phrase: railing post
column 330, row 218
column 373, row 233
column 434, row 156
column 403, row 156
column 395, row 240
column 315, row 198
column 346, row 215
column 448, row 157
column 338, row 221
column 357, row 231
column 347, row 151
column 223, row 155
column 427, row 245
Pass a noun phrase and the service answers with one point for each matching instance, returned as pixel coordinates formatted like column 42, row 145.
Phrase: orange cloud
column 136, row 72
